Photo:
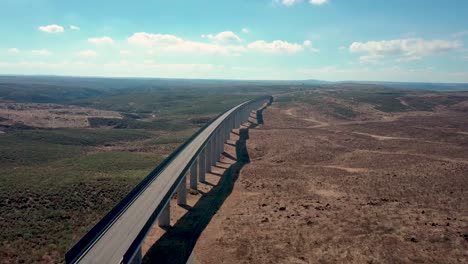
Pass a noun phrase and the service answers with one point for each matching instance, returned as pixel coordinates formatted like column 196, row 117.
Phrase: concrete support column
column 245, row 114
column 220, row 146
column 227, row 129
column 223, row 131
column 182, row 192
column 224, row 135
column 201, row 166
column 208, row 156
column 234, row 124
column 164, row 219
column 194, row 175
column 240, row 118
column 213, row 150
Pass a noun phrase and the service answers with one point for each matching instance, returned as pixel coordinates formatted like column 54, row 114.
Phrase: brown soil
column 175, row 244
column 354, row 192
column 50, row 115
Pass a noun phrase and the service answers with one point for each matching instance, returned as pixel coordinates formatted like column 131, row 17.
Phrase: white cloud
column 150, row 66
column 148, row 39
column 402, row 49
column 51, row 29
column 460, row 34
column 332, row 70
column 308, row 44
column 318, row 2
column 42, row 52
column 294, row 2
column 118, row 68
column 408, row 59
column 288, row 2
column 277, row 46
column 13, row 50
column 245, row 30
column 204, row 48
column 126, row 52
column 101, row 40
column 75, row 28
column 223, row 36
column 87, row 53
column 372, row 59
column 342, row 48
column 174, row 44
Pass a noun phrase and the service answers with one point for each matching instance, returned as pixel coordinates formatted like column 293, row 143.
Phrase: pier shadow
column 229, row 155
column 176, row 245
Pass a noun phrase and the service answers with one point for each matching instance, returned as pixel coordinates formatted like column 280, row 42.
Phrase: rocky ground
column 392, row 190
column 50, row 115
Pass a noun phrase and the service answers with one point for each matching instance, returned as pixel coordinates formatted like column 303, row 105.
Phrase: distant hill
column 418, row 85
column 64, row 89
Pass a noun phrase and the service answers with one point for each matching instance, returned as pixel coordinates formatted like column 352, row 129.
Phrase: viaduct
column 118, row 237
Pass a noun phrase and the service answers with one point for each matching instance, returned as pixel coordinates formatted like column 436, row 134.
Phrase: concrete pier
column 219, row 144
column 164, row 219
column 194, row 175
column 182, row 192
column 209, row 156
column 213, row 152
column 201, row 166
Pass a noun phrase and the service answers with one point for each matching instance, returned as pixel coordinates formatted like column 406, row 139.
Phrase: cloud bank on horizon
column 272, row 39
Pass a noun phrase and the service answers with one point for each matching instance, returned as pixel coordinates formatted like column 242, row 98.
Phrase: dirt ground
column 175, row 243
column 392, row 190
column 50, row 115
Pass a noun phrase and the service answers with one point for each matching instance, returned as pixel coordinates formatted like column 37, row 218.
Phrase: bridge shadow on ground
column 176, row 245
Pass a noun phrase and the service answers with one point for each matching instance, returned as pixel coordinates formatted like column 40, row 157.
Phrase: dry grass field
column 72, row 148
column 338, row 173
column 50, row 115
column 377, row 186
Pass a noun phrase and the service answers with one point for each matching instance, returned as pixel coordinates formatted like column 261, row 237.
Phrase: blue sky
column 394, row 40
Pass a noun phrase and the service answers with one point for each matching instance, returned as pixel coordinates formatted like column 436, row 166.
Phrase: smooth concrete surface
column 194, row 175
column 202, row 166
column 182, row 192
column 164, row 219
column 209, row 157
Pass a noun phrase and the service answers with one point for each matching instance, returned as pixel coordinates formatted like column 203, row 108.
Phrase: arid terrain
column 348, row 173
column 373, row 187
column 72, row 148
column 50, row 115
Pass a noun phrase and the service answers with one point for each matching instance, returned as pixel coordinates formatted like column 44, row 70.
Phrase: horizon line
column 232, row 80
